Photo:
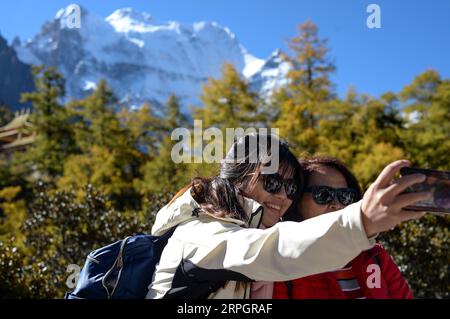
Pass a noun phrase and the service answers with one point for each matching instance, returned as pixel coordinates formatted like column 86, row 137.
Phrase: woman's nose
column 282, row 192
column 335, row 205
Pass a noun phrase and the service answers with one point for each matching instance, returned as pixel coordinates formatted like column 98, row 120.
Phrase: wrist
column 367, row 225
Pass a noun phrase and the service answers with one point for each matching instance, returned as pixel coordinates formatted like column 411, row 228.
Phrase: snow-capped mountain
column 142, row 59
column 271, row 75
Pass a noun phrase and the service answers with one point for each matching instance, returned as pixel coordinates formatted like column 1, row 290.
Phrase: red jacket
column 325, row 286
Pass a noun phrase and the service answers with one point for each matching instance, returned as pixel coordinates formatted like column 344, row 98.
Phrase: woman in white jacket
column 227, row 233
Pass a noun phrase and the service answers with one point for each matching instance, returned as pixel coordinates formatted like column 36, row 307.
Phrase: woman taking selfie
column 330, row 186
column 216, row 249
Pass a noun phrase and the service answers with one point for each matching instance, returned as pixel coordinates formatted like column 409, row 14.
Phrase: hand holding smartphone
column 437, row 182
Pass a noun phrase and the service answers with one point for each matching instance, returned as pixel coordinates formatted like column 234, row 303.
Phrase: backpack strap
column 169, row 233
column 112, row 276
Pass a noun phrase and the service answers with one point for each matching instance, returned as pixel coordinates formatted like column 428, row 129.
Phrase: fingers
column 411, row 198
column 401, row 184
column 406, row 215
column 388, row 173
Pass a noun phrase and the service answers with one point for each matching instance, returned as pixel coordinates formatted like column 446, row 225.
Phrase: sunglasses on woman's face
column 324, row 195
column 274, row 182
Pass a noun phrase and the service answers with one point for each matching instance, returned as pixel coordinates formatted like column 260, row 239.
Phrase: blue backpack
column 122, row 270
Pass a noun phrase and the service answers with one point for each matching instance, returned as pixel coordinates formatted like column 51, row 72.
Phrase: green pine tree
column 309, row 89
column 108, row 157
column 427, row 110
column 55, row 139
column 228, row 102
column 97, row 123
column 5, row 115
column 144, row 128
column 161, row 174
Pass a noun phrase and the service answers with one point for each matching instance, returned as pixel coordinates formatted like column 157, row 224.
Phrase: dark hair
column 219, row 195
column 312, row 164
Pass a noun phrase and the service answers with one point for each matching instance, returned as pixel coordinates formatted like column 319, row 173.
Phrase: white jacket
column 207, row 255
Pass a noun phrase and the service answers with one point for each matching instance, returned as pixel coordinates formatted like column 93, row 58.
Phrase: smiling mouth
column 273, row 206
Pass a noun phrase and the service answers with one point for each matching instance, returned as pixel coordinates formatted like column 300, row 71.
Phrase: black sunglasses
column 324, row 195
column 274, row 182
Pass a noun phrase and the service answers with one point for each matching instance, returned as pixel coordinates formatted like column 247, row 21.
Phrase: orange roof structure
column 18, row 133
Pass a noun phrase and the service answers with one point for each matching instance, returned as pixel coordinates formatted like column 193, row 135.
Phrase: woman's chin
column 270, row 218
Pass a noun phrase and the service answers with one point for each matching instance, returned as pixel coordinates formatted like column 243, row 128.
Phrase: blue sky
column 414, row 35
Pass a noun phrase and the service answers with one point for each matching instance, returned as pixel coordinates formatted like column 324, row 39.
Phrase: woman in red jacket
column 373, row 274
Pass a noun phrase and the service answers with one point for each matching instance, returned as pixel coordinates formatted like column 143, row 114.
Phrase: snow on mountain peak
column 127, row 19
column 60, row 13
column 271, row 75
column 213, row 29
column 141, row 60
column 252, row 64
column 131, row 14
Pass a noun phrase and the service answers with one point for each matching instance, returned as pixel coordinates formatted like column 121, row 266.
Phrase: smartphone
column 437, row 182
